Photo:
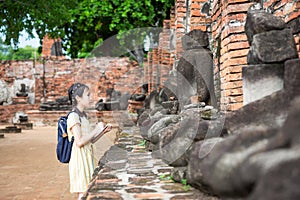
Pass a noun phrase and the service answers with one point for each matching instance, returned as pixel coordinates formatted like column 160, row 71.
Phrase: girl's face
column 85, row 100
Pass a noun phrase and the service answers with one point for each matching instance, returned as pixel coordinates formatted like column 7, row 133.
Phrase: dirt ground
column 29, row 168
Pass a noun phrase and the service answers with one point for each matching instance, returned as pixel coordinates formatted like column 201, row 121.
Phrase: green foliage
column 82, row 24
column 142, row 143
column 43, row 16
column 93, row 20
column 27, row 53
column 166, row 177
column 186, row 185
column 4, row 50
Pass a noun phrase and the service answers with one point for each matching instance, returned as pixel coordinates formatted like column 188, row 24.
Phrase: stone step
column 25, row 126
column 11, row 129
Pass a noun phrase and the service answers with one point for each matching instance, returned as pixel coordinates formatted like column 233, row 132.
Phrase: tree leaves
column 43, row 16
column 95, row 19
column 80, row 23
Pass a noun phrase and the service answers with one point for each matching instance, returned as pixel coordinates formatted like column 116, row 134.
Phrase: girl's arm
column 82, row 140
column 104, row 130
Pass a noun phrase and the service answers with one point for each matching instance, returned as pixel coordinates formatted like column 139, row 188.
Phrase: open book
column 100, row 134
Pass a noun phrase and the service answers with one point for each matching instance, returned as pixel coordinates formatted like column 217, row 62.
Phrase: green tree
column 82, row 24
column 94, row 21
column 8, row 53
column 26, row 53
column 43, row 16
column 4, row 50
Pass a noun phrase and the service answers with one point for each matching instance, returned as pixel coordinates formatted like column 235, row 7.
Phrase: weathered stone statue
column 5, row 97
column 195, row 69
column 22, row 91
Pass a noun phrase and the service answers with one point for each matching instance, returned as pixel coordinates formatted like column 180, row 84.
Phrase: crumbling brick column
column 166, row 51
column 199, row 15
column 180, row 24
column 230, row 47
column 51, row 47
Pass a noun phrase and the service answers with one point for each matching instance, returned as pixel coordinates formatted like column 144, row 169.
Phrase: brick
column 292, row 16
column 195, row 6
column 241, row 17
column 280, row 4
column 236, row 8
column 238, row 45
column 234, row 77
column 179, row 25
column 216, row 26
column 197, row 20
column 236, row 99
column 237, row 1
column 234, row 106
column 232, row 85
column 234, row 62
column 230, row 70
column 216, row 14
column 234, row 54
column 181, row 2
column 235, row 38
column 232, row 92
column 197, row 13
column 231, row 30
column 181, row 9
column 197, row 27
column 200, row 1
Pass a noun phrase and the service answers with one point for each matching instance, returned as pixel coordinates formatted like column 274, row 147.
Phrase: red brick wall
column 180, row 24
column 225, row 25
column 8, row 112
column 53, row 77
column 230, row 47
column 198, row 19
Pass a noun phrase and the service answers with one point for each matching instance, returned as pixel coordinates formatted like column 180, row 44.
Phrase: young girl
column 82, row 162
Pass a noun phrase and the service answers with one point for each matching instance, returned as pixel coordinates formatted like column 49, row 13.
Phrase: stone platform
column 11, row 129
column 128, row 171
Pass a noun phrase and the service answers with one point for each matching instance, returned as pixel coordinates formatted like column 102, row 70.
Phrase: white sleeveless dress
column 82, row 162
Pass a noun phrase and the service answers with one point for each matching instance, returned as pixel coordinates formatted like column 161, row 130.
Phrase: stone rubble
column 241, row 154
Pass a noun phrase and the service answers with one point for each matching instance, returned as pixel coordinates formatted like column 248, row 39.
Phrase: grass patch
column 166, row 177
column 186, row 185
column 142, row 143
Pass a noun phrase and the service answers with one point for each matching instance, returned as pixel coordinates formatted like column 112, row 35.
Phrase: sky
column 24, row 41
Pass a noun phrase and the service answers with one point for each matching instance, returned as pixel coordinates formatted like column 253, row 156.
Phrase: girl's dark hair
column 76, row 89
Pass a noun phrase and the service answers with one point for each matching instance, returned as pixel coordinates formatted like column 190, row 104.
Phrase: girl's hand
column 108, row 128
column 103, row 128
